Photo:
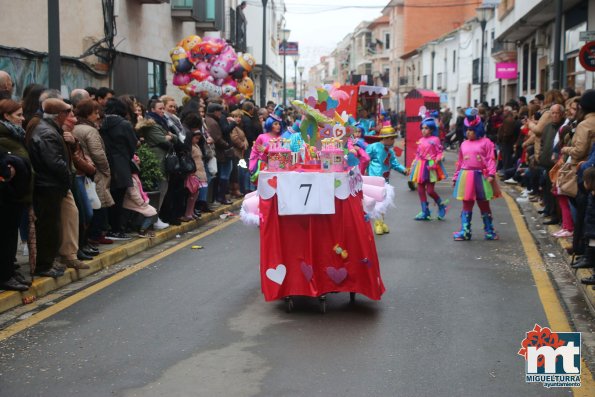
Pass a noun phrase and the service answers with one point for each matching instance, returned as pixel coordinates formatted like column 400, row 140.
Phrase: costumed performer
column 382, row 159
column 427, row 169
column 258, row 156
column 367, row 122
column 357, row 146
column 474, row 177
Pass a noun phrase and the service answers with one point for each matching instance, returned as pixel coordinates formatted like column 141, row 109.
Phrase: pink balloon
column 181, row 79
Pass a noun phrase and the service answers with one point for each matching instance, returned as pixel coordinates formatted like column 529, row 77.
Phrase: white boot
column 159, row 225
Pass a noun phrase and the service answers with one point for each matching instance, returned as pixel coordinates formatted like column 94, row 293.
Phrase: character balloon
column 180, row 60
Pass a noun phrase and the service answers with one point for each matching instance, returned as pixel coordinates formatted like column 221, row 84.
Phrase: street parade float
column 313, row 209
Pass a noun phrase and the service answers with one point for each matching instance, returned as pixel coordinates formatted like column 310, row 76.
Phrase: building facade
column 124, row 44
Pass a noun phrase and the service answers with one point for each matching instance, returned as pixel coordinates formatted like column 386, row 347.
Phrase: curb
column 586, row 290
column 42, row 286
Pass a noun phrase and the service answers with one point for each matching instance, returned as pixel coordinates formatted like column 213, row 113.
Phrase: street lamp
column 295, row 61
column 285, row 37
column 484, row 13
column 301, row 70
column 263, row 77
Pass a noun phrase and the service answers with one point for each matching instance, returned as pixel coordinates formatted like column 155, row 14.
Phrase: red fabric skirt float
column 311, row 255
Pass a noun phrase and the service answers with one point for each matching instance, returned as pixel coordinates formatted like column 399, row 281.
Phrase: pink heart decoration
column 272, row 182
column 337, row 275
column 277, row 275
column 307, row 270
column 311, row 101
column 326, row 131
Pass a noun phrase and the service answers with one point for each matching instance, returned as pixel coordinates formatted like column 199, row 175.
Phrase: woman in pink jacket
column 474, row 177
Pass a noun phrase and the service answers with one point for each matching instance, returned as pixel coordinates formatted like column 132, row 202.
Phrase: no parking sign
column 587, row 56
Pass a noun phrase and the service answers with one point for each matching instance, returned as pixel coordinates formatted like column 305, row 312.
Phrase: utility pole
column 54, row 80
column 263, row 77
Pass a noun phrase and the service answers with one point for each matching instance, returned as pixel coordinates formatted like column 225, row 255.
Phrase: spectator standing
column 15, row 191
column 154, row 130
column 87, row 113
column 223, row 149
column 51, row 162
column 120, row 145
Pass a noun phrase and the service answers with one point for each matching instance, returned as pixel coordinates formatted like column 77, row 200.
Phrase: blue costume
column 382, row 159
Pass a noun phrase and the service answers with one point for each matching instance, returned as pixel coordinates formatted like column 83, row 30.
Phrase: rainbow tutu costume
column 473, row 185
column 423, row 171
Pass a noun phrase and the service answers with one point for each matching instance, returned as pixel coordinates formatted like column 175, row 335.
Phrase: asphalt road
column 195, row 324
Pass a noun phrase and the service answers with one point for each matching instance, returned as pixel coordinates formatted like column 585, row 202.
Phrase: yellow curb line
column 42, row 286
column 71, row 300
column 547, row 294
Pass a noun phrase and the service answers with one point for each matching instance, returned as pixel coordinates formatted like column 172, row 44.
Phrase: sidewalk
column 109, row 256
column 587, row 291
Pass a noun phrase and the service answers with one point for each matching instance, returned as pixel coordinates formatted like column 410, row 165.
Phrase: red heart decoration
column 273, row 182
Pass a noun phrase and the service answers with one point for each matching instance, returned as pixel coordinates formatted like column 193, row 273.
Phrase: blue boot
column 424, row 214
column 465, row 232
column 442, row 208
column 488, row 226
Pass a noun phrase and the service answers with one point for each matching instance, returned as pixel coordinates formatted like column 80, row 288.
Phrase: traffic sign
column 588, row 35
column 587, row 56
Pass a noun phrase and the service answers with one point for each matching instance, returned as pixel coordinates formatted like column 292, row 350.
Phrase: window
column 454, row 61
column 155, row 79
column 387, row 41
column 425, row 85
column 575, row 74
column 210, row 10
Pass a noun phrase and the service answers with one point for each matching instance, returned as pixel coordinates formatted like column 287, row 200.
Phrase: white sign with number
column 306, row 193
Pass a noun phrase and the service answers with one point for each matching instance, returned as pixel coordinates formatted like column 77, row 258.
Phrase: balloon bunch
column 209, row 66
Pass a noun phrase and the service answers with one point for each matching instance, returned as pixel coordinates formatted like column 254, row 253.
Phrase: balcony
column 211, row 15
column 504, row 51
column 185, row 10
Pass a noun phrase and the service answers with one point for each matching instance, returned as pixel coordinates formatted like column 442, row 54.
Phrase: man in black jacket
column 252, row 128
column 51, row 161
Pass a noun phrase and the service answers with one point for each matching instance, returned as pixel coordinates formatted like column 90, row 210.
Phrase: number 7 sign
column 306, row 193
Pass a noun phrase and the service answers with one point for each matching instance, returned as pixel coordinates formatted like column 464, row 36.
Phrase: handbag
column 212, row 166
column 187, row 164
column 172, row 162
column 555, row 170
column 192, row 183
column 567, row 180
column 91, row 190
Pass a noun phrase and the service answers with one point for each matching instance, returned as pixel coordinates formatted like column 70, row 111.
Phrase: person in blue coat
column 382, row 160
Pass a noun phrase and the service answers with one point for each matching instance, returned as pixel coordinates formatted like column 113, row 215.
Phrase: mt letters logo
column 552, row 358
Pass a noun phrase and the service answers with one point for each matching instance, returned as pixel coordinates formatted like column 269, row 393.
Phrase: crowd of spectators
column 80, row 172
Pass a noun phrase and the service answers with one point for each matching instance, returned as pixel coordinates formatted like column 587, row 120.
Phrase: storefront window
column 575, row 73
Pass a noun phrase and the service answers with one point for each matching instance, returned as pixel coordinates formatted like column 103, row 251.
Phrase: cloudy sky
column 318, row 25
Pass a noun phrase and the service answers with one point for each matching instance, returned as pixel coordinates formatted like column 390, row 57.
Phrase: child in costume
column 382, row 159
column 258, row 156
column 474, row 177
column 357, row 146
column 427, row 169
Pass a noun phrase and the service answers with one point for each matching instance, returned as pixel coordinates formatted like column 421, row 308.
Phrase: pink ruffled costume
column 475, row 164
